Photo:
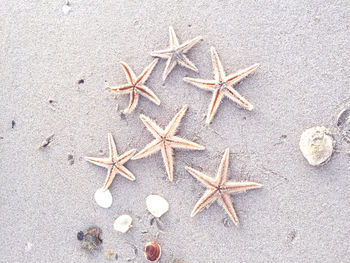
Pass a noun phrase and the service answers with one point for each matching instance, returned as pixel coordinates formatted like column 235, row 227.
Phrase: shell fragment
column 122, row 223
column 157, row 205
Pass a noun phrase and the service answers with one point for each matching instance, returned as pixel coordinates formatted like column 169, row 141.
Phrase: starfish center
column 177, row 55
column 221, row 85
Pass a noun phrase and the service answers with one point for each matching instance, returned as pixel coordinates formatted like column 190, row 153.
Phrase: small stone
column 80, row 235
column 103, row 198
column 122, row 223
column 316, row 145
column 70, row 159
column 157, row 205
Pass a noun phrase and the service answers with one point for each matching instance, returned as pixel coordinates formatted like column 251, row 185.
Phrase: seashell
column 103, row 198
column 152, row 251
column 157, row 205
column 122, row 223
column 316, row 145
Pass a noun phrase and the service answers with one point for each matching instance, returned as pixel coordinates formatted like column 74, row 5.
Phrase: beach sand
column 300, row 215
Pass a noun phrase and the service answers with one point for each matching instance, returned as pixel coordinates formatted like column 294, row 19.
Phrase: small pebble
column 28, row 246
column 122, row 223
column 316, row 145
column 157, row 205
column 103, row 198
column 80, row 235
column 70, row 159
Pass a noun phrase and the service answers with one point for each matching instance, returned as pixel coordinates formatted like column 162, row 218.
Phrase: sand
column 302, row 213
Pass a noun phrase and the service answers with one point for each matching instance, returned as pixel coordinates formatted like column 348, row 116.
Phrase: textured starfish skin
column 219, row 189
column 222, row 85
column 114, row 163
column 175, row 53
column 165, row 140
column 135, row 86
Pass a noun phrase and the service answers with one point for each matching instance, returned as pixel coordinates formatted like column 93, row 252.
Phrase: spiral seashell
column 152, row 251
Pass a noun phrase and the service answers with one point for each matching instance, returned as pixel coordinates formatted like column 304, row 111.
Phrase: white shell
column 103, row 198
column 66, row 9
column 157, row 205
column 316, row 145
column 122, row 223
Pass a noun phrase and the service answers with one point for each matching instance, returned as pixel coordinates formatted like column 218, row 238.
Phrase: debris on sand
column 66, row 8
column 90, row 239
column 343, row 124
column 46, row 141
column 70, row 159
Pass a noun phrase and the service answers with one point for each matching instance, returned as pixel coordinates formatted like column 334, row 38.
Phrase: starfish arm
column 177, row 142
column 232, row 94
column 122, row 89
column 134, row 99
column 130, row 75
column 170, row 64
column 111, row 146
column 218, row 68
column 164, row 53
column 148, row 93
column 222, row 171
column 187, row 45
column 149, row 149
column 175, row 122
column 185, row 62
column 167, row 153
column 208, row 197
column 125, row 172
column 146, row 72
column 109, row 178
column 235, row 187
column 226, row 203
column 152, row 126
column 214, row 105
column 241, row 74
column 203, row 178
column 103, row 162
column 173, row 41
column 126, row 156
column 202, row 83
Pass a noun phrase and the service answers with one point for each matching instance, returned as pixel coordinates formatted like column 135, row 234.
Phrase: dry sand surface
column 300, row 215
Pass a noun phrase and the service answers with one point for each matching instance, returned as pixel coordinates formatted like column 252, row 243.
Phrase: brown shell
column 152, row 251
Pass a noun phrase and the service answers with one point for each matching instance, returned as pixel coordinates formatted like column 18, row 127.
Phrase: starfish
column 175, row 53
column 165, row 140
column 219, row 189
column 135, row 86
column 114, row 163
column 222, row 85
